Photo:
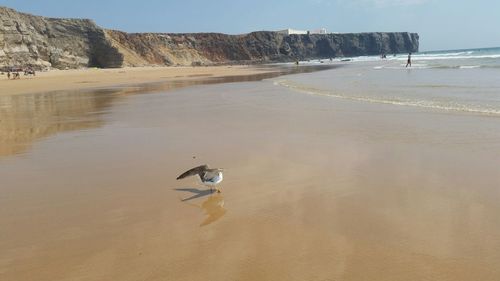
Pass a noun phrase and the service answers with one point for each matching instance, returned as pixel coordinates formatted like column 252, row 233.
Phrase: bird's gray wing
column 194, row 171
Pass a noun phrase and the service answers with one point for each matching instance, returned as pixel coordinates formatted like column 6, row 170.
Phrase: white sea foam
column 469, row 66
column 449, row 106
column 481, row 54
column 403, row 66
column 429, row 57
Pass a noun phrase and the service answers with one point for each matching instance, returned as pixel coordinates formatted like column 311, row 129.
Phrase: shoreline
column 93, row 78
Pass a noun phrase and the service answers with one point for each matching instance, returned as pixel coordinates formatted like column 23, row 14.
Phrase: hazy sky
column 442, row 24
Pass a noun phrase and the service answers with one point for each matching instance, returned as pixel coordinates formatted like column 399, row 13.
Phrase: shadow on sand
column 213, row 206
column 197, row 193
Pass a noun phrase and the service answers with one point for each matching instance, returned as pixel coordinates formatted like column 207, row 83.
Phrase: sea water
column 460, row 81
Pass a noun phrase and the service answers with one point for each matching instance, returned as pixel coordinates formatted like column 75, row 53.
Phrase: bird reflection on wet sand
column 213, row 206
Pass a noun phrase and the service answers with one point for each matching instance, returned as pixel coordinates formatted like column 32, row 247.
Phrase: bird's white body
column 212, row 180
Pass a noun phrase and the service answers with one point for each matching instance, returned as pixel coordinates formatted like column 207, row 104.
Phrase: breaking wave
column 438, row 105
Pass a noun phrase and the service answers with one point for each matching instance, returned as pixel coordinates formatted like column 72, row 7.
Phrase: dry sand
column 315, row 188
column 57, row 80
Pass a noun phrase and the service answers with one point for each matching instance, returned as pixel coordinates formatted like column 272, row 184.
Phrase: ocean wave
column 451, row 54
column 434, row 66
column 442, row 57
column 450, row 106
column 463, row 55
column 403, row 66
column 469, row 66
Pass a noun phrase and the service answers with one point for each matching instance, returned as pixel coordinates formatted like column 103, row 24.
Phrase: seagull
column 209, row 177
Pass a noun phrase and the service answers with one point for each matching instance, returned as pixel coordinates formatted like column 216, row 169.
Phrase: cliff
column 60, row 43
column 264, row 46
column 72, row 43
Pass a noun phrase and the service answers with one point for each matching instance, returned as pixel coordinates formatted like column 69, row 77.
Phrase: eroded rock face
column 352, row 44
column 215, row 48
column 73, row 43
column 60, row 43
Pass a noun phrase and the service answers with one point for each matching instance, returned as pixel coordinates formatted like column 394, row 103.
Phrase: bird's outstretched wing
column 194, row 171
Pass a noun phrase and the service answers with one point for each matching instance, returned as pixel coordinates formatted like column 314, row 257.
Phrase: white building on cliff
column 319, row 31
column 290, row 31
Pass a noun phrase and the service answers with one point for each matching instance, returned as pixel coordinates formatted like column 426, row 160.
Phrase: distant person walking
column 409, row 60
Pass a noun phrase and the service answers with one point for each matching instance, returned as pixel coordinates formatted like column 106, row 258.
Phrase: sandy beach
column 316, row 186
column 58, row 80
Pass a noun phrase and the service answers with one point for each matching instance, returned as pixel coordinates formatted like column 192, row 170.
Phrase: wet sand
column 57, row 80
column 26, row 118
column 315, row 188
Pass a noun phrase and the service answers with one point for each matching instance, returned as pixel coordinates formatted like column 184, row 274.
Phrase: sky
column 441, row 24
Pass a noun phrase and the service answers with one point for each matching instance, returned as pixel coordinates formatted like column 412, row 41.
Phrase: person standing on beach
column 409, row 60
